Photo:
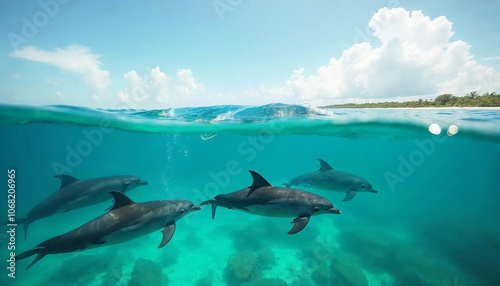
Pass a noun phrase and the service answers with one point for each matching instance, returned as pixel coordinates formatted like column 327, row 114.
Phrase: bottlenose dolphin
column 74, row 194
column 264, row 199
column 125, row 221
column 327, row 178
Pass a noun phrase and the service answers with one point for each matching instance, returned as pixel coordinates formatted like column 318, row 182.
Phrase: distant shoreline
column 489, row 100
column 444, row 107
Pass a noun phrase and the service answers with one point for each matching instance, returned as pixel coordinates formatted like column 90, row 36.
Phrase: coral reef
column 82, row 269
column 147, row 273
column 242, row 267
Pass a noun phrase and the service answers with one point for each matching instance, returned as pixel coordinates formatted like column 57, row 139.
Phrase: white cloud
column 491, row 58
column 136, row 90
column 141, row 89
column 187, row 85
column 75, row 58
column 158, row 85
column 155, row 91
column 415, row 58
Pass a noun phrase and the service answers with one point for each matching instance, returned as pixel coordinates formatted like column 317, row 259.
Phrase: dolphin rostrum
column 264, row 199
column 327, row 178
column 125, row 221
column 74, row 194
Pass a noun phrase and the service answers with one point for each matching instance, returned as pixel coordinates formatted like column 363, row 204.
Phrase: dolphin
column 126, row 220
column 74, row 194
column 262, row 198
column 327, row 178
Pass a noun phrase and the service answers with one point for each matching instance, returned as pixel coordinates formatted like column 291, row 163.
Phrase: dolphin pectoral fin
column 324, row 166
column 168, row 232
column 66, row 180
column 298, row 224
column 349, row 195
column 121, row 200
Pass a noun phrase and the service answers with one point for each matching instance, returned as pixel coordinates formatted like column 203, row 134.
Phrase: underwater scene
column 379, row 197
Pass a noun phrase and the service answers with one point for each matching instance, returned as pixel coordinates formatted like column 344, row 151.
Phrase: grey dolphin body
column 264, row 199
column 125, row 221
column 327, row 178
column 74, row 194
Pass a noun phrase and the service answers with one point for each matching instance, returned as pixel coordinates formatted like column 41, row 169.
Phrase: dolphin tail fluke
column 26, row 223
column 39, row 251
column 349, row 195
column 214, row 206
column 208, row 202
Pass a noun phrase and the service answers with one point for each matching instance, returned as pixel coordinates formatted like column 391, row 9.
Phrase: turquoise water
column 434, row 221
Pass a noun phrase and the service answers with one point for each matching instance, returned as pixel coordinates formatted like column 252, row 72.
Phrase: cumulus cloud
column 75, row 58
column 155, row 90
column 415, row 58
column 187, row 85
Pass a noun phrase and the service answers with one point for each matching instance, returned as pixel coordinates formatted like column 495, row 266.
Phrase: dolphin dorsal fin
column 121, row 200
column 324, row 166
column 259, row 181
column 66, row 180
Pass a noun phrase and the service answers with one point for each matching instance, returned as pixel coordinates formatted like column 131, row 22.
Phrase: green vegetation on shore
column 472, row 99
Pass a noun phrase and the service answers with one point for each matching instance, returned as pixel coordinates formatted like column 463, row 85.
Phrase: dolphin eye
column 316, row 209
column 182, row 211
column 363, row 186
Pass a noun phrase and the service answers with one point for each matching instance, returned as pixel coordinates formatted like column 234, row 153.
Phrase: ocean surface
column 434, row 221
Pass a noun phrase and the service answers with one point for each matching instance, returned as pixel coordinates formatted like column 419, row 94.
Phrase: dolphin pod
column 75, row 194
column 125, row 221
column 264, row 199
column 327, row 178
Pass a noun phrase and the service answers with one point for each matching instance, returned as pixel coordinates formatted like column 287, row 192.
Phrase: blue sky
column 158, row 54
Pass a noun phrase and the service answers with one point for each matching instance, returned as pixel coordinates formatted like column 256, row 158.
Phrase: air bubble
column 208, row 136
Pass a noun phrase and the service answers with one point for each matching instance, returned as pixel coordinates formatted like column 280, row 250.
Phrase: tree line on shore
column 472, row 99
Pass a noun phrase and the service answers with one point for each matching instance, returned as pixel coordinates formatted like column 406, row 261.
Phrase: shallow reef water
column 434, row 221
